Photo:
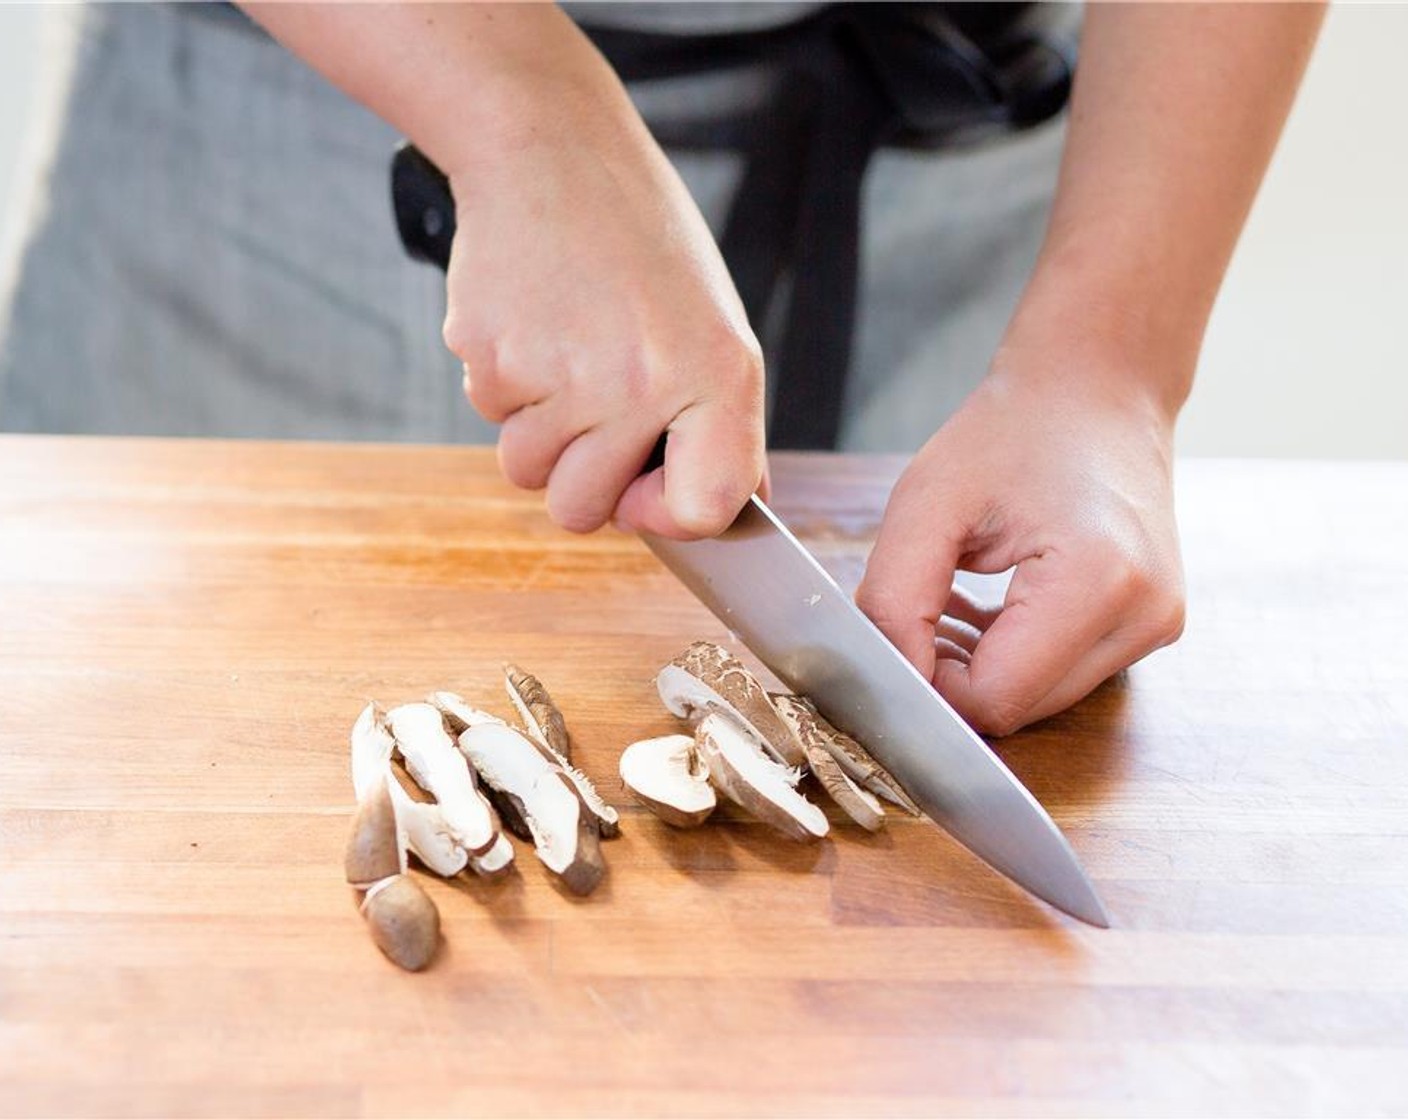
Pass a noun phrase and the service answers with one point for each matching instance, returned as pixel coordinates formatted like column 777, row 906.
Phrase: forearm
column 1175, row 113
column 461, row 80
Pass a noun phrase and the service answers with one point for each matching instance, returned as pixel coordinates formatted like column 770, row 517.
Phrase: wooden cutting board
column 189, row 629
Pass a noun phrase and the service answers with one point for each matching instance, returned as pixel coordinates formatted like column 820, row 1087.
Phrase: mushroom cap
column 859, row 804
column 536, row 709
column 854, row 760
column 404, row 921
column 667, row 776
column 706, row 677
column 743, row 773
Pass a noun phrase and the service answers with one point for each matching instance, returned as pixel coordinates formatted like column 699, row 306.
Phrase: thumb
column 714, row 463
column 909, row 574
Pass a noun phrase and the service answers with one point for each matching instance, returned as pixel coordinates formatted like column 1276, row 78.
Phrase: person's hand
column 1066, row 476
column 592, row 312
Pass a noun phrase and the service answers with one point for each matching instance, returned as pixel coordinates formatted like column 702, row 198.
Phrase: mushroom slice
column 707, row 678
column 437, row 766
column 860, row 804
column 458, row 714
column 668, row 778
column 745, row 774
column 496, row 862
column 421, row 826
column 564, row 833
column 404, row 921
column 853, row 759
column 374, row 847
column 548, row 732
column 539, row 714
column 510, row 811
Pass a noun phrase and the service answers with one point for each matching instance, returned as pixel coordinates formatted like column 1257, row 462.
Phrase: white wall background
column 1307, row 354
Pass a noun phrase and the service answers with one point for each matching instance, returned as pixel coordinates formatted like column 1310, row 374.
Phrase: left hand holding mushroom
column 1064, row 474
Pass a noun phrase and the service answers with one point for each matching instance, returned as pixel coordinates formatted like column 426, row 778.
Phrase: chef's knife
column 769, row 591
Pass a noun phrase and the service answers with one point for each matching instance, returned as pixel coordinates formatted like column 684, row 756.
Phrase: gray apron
column 210, row 251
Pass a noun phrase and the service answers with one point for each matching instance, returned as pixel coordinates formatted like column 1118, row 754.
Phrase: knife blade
column 763, row 585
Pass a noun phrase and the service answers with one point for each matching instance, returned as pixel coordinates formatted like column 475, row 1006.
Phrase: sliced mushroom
column 707, row 678
column 404, row 921
column 374, row 847
column 510, row 811
column 743, row 772
column 436, row 765
column 548, row 732
column 564, row 833
column 458, row 714
column 539, row 714
column 496, row 862
column 421, row 824
column 667, row 776
column 859, row 804
column 853, row 759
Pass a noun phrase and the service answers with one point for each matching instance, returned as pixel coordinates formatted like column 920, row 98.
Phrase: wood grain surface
column 190, row 628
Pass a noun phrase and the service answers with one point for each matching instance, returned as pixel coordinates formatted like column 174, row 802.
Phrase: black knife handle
column 425, row 208
column 425, row 219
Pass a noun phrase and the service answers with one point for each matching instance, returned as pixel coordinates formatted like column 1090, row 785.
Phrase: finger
column 1115, row 651
column 909, row 574
column 500, row 380
column 958, row 633
column 966, row 607
column 945, row 650
column 591, row 474
column 532, row 439
column 713, row 463
column 1054, row 616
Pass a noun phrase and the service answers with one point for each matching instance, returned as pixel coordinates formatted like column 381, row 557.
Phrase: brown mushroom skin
column 672, row 815
column 510, row 811
column 542, row 716
column 815, row 736
column 403, row 920
column 738, row 693
column 373, row 848
column 584, row 873
column 855, row 761
column 547, row 731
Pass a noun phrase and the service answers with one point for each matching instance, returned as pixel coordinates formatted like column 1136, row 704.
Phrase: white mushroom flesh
column 564, row 836
column 459, row 714
column 743, row 773
column 667, row 775
column 438, row 767
column 421, row 824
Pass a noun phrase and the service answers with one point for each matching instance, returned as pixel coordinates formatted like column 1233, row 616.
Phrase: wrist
column 1091, row 317
column 524, row 78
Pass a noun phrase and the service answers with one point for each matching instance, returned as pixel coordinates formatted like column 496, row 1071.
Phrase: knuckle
column 520, row 462
column 1171, row 620
column 1000, row 716
column 881, row 606
column 575, row 517
column 710, row 511
column 458, row 335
